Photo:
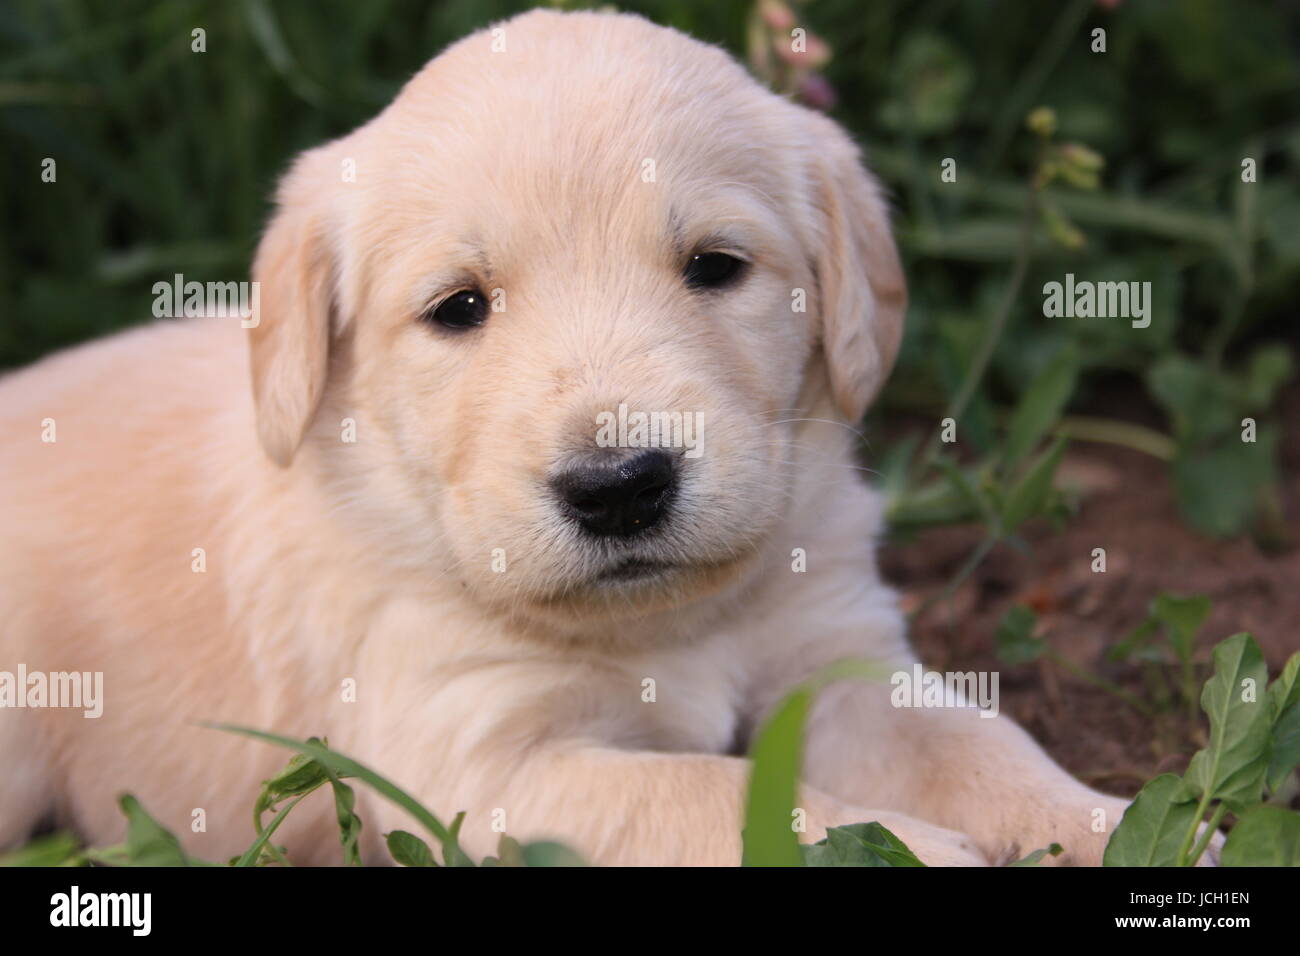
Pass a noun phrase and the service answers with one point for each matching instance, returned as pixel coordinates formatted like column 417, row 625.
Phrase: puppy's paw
column 953, row 849
column 934, row 845
column 1081, row 825
column 1083, row 834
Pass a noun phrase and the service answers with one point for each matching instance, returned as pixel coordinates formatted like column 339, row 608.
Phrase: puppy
column 398, row 525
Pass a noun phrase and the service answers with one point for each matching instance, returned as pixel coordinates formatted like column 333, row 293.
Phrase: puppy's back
column 105, row 448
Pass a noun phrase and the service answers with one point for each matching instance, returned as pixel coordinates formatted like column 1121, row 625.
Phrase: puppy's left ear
column 862, row 295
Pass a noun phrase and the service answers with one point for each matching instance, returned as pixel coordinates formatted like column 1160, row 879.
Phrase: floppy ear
column 861, row 291
column 289, row 345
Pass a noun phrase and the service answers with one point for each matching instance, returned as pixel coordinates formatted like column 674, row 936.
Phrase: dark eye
column 712, row 270
column 464, row 310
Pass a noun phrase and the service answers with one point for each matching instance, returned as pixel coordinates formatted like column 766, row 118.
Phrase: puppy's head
column 574, row 287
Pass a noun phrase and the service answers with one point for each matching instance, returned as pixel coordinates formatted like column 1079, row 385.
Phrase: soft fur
column 330, row 561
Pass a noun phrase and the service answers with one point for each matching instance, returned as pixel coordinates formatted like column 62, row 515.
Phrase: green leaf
column 336, row 766
column 1284, row 692
column 56, row 849
column 253, row 854
column 452, row 854
column 1183, row 616
column 408, row 849
column 1134, row 639
column 544, row 853
column 1014, row 640
column 769, row 837
column 963, row 487
column 347, row 767
column 302, row 775
column 1199, row 400
column 1270, row 366
column 1232, row 768
column 345, row 800
column 1218, row 487
column 933, row 504
column 148, row 842
column 933, row 78
column 893, row 466
column 1036, row 857
column 1031, row 495
column 1285, row 755
column 509, row 853
column 1264, row 836
column 1284, row 707
column 860, row 844
column 1153, row 826
column 1041, row 406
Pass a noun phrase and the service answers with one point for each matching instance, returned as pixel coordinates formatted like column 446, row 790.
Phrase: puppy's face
column 575, row 292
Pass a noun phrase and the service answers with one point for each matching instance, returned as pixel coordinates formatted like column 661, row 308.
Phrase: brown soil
column 1131, row 513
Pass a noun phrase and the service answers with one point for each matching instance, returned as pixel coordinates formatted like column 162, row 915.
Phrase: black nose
column 618, row 496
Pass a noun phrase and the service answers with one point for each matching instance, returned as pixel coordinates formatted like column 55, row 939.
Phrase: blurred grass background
column 166, row 159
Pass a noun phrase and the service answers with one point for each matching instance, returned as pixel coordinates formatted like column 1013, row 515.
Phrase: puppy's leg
column 619, row 807
column 982, row 775
column 26, row 794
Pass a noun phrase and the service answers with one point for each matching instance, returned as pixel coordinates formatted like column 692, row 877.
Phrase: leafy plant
column 1178, row 619
column 860, row 844
column 1225, row 469
column 1254, row 748
column 1002, row 489
column 1015, row 642
column 1251, row 752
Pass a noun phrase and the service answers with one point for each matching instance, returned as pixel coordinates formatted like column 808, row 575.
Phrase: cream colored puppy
column 572, row 213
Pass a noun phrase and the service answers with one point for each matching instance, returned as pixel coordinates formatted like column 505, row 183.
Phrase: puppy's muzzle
column 616, row 494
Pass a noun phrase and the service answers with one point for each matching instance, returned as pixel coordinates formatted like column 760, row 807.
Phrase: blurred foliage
column 314, row 766
column 166, row 160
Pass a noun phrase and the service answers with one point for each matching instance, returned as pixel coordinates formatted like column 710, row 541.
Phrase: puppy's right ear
column 289, row 344
column 861, row 290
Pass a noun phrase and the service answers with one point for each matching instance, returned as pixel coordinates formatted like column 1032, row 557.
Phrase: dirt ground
column 1131, row 513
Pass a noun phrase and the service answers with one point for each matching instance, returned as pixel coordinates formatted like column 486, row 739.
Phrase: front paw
column 1083, row 833
column 947, row 848
column 1080, row 826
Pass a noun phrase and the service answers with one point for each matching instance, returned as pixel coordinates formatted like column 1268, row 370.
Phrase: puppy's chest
column 685, row 704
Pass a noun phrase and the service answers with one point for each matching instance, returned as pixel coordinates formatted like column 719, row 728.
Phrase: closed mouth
column 633, row 569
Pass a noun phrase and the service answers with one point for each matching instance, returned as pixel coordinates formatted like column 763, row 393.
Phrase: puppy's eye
column 463, row 310
column 712, row 270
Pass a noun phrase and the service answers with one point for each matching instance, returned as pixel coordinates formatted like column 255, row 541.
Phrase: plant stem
column 972, row 562
column 1098, row 681
column 1190, row 696
column 251, row 855
column 1126, row 434
column 1210, row 829
column 993, row 333
column 1064, row 32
